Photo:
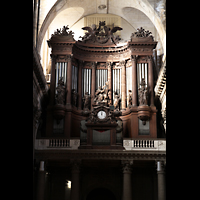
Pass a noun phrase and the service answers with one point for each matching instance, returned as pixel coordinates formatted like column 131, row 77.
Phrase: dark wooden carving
column 101, row 35
column 99, row 48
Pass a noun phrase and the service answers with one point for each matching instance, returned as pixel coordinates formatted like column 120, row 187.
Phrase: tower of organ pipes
column 100, row 62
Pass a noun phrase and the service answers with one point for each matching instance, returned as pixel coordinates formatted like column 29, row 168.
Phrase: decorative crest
column 63, row 31
column 101, row 35
column 61, row 35
column 141, row 33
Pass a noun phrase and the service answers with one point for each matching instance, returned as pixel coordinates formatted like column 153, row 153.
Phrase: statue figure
column 129, row 98
column 86, row 101
column 143, row 93
column 60, row 96
column 101, row 35
column 101, row 95
column 98, row 95
column 105, row 90
column 74, row 97
column 116, row 100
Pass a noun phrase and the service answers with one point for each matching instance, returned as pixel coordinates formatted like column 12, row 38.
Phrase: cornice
column 100, row 154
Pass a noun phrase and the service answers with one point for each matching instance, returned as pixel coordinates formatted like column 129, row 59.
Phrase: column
column 134, row 80
column 161, row 181
column 41, row 182
column 110, row 82
column 69, row 82
column 93, row 84
column 80, row 84
column 123, row 84
column 52, row 84
column 127, row 185
column 150, row 74
column 75, row 184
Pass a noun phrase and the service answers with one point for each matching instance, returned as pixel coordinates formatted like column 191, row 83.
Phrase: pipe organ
column 75, row 78
column 61, row 72
column 117, row 79
column 101, row 77
column 142, row 73
column 96, row 60
column 86, row 81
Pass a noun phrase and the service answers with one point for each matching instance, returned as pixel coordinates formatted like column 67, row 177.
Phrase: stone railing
column 41, row 144
column 145, row 144
column 128, row 144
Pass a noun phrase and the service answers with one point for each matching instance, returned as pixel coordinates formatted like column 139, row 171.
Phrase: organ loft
column 97, row 135
column 98, row 72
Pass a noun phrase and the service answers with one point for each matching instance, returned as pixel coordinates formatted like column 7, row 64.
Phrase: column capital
column 127, row 166
column 122, row 64
column 160, row 166
column 68, row 57
column 93, row 64
column 134, row 57
column 149, row 58
column 75, row 166
column 109, row 65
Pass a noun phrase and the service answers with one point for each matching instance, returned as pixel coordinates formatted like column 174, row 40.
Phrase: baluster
column 49, row 142
column 67, row 142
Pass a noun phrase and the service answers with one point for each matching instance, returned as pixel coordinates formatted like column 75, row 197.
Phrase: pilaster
column 161, row 180
column 127, row 183
column 41, row 182
column 69, row 81
column 150, row 80
column 75, row 187
column 93, row 83
column 134, row 80
column 123, row 84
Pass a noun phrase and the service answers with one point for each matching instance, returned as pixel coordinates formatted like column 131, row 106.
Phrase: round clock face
column 101, row 114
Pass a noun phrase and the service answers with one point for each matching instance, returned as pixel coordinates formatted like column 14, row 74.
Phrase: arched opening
column 101, row 194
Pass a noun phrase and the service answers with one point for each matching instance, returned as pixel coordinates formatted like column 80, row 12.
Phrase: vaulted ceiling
column 135, row 13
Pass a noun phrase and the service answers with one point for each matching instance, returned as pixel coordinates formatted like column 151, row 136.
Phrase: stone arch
column 142, row 5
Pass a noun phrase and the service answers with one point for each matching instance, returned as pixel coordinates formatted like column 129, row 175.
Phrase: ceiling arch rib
column 114, row 8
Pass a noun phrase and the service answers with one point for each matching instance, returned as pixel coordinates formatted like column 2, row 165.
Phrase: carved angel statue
column 129, row 98
column 60, row 96
column 98, row 95
column 74, row 97
column 86, row 101
column 116, row 100
column 91, row 32
column 109, row 32
column 143, row 93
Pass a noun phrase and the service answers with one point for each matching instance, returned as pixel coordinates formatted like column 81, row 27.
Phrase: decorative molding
column 141, row 33
column 100, row 35
column 100, row 154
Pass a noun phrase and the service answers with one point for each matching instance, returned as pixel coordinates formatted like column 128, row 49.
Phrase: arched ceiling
column 137, row 13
